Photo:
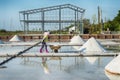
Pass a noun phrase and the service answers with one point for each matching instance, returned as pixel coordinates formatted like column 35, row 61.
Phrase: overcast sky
column 9, row 9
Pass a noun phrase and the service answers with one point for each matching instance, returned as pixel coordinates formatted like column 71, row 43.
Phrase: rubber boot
column 47, row 51
column 41, row 50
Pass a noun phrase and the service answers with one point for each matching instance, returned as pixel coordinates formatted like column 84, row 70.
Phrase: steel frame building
column 61, row 15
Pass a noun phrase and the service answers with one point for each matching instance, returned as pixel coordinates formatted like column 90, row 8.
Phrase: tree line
column 110, row 25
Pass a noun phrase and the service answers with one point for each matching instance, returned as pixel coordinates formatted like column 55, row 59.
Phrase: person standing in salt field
column 44, row 40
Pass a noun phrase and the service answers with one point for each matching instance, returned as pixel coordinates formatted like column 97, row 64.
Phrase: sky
column 9, row 9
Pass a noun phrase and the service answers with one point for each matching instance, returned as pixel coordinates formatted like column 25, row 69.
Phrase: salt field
column 67, row 68
column 59, row 40
column 59, row 68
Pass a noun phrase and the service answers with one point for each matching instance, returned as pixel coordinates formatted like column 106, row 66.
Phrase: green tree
column 113, row 25
column 116, row 22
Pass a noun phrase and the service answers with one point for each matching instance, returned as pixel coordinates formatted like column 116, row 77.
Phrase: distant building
column 54, row 16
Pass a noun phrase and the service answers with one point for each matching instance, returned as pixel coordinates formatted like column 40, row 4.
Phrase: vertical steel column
column 81, row 23
column 59, row 22
column 75, row 22
column 42, row 15
column 27, row 24
column 24, row 22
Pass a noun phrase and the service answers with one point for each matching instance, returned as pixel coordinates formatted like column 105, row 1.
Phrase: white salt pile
column 112, row 76
column 77, row 40
column 15, row 38
column 114, row 66
column 92, row 45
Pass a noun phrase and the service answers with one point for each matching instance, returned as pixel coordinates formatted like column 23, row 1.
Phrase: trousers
column 43, row 45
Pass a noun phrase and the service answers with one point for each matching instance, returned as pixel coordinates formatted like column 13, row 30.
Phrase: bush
column 3, row 30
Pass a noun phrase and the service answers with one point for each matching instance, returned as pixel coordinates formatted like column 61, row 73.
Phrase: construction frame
column 54, row 17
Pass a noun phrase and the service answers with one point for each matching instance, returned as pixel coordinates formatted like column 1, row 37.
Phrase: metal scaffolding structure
column 54, row 17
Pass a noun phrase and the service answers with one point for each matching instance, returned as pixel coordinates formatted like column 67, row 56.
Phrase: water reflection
column 91, row 59
column 112, row 76
column 55, row 58
column 29, row 62
column 64, row 64
column 52, row 68
column 45, row 66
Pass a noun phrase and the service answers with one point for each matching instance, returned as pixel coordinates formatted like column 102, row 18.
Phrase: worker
column 44, row 40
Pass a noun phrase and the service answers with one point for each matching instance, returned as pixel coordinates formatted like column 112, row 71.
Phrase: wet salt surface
column 68, row 68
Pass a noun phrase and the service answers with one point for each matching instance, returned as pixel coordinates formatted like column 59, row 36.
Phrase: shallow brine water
column 60, row 68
